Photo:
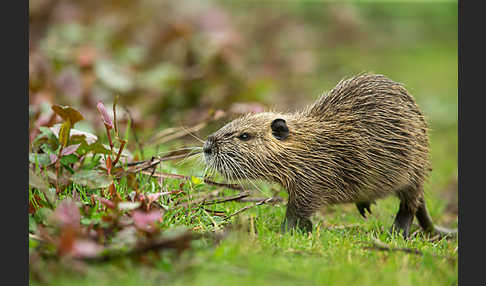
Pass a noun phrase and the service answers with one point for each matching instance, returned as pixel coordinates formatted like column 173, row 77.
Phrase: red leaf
column 70, row 149
column 66, row 240
column 104, row 115
column 108, row 164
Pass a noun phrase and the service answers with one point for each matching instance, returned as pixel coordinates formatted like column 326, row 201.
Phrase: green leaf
column 92, row 179
column 64, row 132
column 32, row 224
column 33, row 243
column 39, row 183
column 47, row 138
column 43, row 159
column 67, row 113
column 196, row 180
column 100, row 148
column 69, row 159
column 42, row 215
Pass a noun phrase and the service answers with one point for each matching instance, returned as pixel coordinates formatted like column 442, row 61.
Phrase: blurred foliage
column 173, row 61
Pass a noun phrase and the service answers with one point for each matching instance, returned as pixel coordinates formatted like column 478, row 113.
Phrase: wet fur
column 363, row 140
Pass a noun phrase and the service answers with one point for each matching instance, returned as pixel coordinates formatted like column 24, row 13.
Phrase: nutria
column 363, row 140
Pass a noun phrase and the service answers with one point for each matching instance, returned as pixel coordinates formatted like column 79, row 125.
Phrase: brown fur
column 363, row 140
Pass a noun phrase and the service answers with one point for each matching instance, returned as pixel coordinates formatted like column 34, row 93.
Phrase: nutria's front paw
column 363, row 207
column 290, row 223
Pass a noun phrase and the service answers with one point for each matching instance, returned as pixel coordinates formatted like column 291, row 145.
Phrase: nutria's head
column 253, row 146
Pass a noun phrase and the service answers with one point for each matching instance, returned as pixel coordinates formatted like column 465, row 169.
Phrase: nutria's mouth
column 223, row 167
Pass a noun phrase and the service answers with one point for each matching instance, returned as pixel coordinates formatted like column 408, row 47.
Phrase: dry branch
column 229, row 198
column 378, row 245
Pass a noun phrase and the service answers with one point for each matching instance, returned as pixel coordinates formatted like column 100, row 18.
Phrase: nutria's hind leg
column 403, row 220
column 406, row 212
column 423, row 217
column 296, row 217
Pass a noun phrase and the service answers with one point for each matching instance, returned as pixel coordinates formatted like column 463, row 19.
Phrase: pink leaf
column 70, row 149
column 146, row 220
column 104, row 115
column 107, row 203
column 153, row 197
column 85, row 248
column 67, row 213
column 53, row 158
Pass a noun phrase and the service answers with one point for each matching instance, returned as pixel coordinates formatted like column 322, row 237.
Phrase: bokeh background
column 178, row 63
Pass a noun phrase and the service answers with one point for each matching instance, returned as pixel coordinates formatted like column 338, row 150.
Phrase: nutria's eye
column 244, row 137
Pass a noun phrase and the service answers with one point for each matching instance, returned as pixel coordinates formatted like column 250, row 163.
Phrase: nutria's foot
column 403, row 221
column 290, row 223
column 363, row 207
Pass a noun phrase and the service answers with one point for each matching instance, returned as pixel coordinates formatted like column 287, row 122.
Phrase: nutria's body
column 362, row 141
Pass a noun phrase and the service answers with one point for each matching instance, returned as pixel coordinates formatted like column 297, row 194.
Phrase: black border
column 15, row 142
column 472, row 196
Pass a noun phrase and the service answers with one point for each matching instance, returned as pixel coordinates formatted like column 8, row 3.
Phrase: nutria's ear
column 280, row 129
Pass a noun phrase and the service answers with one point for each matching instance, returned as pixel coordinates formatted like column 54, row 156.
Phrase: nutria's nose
column 208, row 145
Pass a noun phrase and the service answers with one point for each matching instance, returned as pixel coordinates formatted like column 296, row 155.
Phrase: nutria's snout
column 208, row 146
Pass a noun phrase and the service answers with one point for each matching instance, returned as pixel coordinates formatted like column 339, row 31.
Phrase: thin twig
column 123, row 142
column 248, row 207
column 210, row 195
column 143, row 165
column 216, row 213
column 228, row 198
column 257, row 200
column 166, row 175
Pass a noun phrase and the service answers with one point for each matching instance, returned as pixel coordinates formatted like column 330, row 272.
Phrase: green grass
column 256, row 253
